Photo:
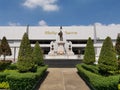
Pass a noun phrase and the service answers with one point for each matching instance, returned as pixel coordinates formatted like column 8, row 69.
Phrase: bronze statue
column 61, row 34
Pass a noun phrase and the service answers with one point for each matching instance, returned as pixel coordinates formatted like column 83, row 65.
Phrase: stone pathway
column 63, row 79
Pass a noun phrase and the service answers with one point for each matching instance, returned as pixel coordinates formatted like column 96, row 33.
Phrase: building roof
column 50, row 32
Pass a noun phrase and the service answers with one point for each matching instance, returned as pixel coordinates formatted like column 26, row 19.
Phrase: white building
column 78, row 35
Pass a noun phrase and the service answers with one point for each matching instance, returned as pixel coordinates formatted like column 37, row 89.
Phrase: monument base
column 63, row 57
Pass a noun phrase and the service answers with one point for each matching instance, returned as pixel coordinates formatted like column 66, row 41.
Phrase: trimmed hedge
column 3, row 81
column 4, row 85
column 12, row 66
column 3, row 77
column 97, row 81
column 25, row 81
column 89, row 55
column 25, row 60
column 107, row 60
column 37, row 55
column 4, row 64
column 91, row 68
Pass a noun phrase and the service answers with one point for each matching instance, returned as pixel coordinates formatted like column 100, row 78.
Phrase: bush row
column 97, row 81
column 25, row 81
column 91, row 68
column 21, row 81
column 4, row 64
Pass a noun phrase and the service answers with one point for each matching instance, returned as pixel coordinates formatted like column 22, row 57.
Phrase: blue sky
column 59, row 12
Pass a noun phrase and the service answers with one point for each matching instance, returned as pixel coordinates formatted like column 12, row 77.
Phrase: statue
column 61, row 34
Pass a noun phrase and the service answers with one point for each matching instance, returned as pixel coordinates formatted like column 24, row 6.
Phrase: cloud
column 42, row 23
column 98, row 24
column 46, row 5
column 112, row 24
column 13, row 24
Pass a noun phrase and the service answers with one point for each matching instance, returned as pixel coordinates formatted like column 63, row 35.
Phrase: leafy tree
column 107, row 59
column 89, row 56
column 0, row 50
column 25, row 62
column 37, row 54
column 117, row 45
column 5, row 48
column 117, row 48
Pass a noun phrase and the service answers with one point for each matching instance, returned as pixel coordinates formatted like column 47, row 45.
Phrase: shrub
column 25, row 81
column 3, row 77
column 117, row 45
column 98, row 82
column 25, row 62
column 5, row 48
column 0, row 50
column 91, row 68
column 4, row 64
column 119, row 62
column 89, row 56
column 107, row 59
column 12, row 66
column 37, row 55
column 4, row 85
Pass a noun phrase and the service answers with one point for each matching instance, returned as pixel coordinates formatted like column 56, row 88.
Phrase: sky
column 59, row 12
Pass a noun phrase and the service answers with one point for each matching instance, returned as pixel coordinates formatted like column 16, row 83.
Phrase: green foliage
column 117, row 48
column 25, row 47
column 25, row 62
column 13, row 80
column 89, row 56
column 0, row 50
column 119, row 62
column 107, row 59
column 37, row 55
column 98, row 82
column 12, row 66
column 5, row 48
column 91, row 68
column 4, row 85
column 3, row 77
column 117, row 45
column 25, row 81
column 4, row 64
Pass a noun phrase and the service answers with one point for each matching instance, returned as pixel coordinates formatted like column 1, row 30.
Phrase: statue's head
column 60, row 27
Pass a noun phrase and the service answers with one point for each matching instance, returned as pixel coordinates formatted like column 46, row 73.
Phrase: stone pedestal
column 61, row 48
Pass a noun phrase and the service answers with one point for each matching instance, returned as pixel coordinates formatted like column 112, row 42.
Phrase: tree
column 5, row 48
column 117, row 45
column 25, row 62
column 37, row 54
column 0, row 50
column 117, row 48
column 89, row 56
column 107, row 59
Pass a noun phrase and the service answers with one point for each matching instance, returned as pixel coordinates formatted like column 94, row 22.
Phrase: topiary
column 117, row 45
column 37, row 54
column 5, row 48
column 107, row 59
column 89, row 56
column 25, row 62
column 0, row 50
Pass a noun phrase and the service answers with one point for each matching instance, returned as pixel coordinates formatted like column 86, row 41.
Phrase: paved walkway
column 63, row 79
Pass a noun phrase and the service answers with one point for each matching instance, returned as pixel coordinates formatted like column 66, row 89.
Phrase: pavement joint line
column 63, row 81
